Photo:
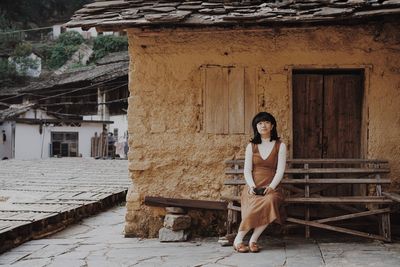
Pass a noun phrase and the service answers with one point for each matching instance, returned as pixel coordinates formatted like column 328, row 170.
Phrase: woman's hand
column 268, row 190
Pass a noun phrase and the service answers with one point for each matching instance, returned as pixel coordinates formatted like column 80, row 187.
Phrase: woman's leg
column 239, row 237
column 257, row 232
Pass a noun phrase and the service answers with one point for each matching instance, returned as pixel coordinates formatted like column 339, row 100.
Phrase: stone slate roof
column 114, row 15
column 112, row 66
column 14, row 111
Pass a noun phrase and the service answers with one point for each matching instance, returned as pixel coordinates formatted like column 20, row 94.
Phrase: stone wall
column 171, row 156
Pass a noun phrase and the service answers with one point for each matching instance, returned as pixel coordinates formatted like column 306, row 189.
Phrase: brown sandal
column 241, row 248
column 253, row 247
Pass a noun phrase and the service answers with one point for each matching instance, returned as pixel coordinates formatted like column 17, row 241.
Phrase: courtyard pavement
column 38, row 197
column 99, row 241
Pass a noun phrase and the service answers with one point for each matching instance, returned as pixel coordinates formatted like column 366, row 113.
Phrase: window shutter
column 250, row 85
column 236, row 100
column 216, row 100
column 230, row 99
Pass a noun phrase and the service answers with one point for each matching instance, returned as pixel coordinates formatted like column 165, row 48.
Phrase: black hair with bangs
column 263, row 116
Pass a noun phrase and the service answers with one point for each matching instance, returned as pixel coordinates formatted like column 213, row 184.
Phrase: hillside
column 22, row 14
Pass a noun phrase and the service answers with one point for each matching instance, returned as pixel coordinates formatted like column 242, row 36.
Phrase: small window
column 57, row 136
column 229, row 99
column 64, row 144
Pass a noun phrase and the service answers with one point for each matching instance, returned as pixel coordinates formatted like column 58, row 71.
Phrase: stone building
column 200, row 70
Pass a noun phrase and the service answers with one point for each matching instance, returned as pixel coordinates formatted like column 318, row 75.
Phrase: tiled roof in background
column 113, row 15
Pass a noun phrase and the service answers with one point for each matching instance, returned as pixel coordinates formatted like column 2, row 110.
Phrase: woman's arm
column 280, row 169
column 248, row 166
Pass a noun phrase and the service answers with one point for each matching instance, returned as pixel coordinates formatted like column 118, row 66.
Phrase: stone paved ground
column 99, row 241
column 42, row 196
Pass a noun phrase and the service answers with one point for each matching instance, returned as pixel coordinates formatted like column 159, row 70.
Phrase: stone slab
column 177, row 222
column 168, row 235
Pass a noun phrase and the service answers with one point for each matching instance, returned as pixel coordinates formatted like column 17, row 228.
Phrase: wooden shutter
column 250, row 94
column 236, row 100
column 216, row 100
column 230, row 99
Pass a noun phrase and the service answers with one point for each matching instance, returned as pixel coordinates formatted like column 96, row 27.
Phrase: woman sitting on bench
column 264, row 167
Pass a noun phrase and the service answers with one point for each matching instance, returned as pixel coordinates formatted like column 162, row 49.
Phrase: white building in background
column 119, row 130
column 33, row 134
column 59, row 28
column 91, row 33
column 33, row 70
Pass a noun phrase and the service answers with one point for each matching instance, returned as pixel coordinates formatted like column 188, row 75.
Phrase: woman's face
column 264, row 128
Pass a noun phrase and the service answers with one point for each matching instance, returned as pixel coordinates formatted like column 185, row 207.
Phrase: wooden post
column 384, row 219
column 95, row 145
column 233, row 214
column 307, row 195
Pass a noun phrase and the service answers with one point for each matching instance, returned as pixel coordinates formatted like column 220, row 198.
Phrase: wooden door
column 327, row 115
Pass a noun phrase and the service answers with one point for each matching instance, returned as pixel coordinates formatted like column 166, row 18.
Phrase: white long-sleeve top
column 265, row 148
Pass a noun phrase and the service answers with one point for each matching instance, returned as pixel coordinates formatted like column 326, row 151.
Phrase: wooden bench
column 305, row 183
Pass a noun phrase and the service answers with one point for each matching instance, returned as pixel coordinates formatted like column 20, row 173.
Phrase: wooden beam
column 293, row 189
column 338, row 161
column 321, row 171
column 336, row 170
column 392, row 196
column 347, row 200
column 327, row 200
column 240, row 161
column 353, row 215
column 337, row 229
column 185, row 203
column 320, row 181
column 233, row 207
column 337, row 181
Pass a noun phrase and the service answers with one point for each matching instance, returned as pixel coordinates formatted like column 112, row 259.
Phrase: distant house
column 32, row 69
column 30, row 133
column 87, row 34
column 97, row 92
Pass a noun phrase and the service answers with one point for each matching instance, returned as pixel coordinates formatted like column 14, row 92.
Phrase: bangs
column 263, row 117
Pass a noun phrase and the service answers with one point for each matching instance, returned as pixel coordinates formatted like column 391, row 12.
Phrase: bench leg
column 385, row 227
column 229, row 222
column 307, row 233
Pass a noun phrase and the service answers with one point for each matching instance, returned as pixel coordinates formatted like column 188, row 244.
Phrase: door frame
column 364, row 110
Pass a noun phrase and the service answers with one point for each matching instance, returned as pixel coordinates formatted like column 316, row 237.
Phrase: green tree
column 105, row 44
column 8, row 74
column 66, row 45
column 70, row 38
column 39, row 12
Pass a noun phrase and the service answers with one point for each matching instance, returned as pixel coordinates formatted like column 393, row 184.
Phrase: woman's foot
column 253, row 247
column 241, row 248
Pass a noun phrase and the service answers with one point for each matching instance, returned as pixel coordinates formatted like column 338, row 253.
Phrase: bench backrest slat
column 322, row 171
column 240, row 161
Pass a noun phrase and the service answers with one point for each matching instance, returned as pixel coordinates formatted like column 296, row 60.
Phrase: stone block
column 175, row 210
column 177, row 222
column 167, row 235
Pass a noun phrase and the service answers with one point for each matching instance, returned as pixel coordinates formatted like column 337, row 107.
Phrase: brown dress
column 261, row 210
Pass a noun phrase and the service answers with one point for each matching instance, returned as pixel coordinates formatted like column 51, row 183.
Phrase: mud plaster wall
column 171, row 156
